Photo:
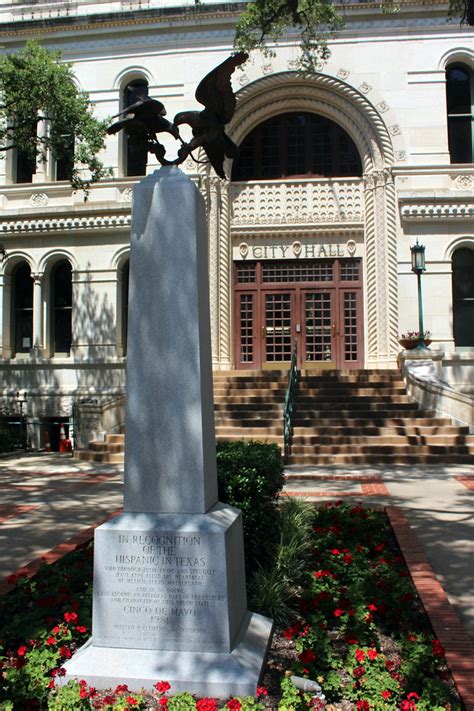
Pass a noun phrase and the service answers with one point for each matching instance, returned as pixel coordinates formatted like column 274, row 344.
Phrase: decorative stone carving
column 306, row 202
column 365, row 88
column 343, row 73
column 383, row 107
column 243, row 79
column 292, row 64
column 39, row 199
column 400, row 155
column 438, row 211
column 297, row 247
column 351, row 247
column 65, row 224
column 127, row 195
column 395, row 130
column 465, row 182
column 243, row 249
column 267, row 69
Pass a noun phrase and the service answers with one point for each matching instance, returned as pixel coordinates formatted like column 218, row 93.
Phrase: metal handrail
column 289, row 401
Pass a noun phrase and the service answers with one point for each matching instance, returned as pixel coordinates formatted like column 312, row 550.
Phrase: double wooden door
column 325, row 318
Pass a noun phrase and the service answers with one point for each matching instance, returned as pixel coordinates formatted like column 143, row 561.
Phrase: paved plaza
column 48, row 499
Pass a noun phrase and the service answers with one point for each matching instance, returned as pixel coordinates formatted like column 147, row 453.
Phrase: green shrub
column 12, row 438
column 250, row 477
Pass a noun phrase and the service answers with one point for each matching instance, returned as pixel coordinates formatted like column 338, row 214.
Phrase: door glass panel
column 246, row 328
column 350, row 326
column 318, row 320
column 277, row 327
column 292, row 271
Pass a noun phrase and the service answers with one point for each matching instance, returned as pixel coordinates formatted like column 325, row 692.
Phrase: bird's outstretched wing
column 215, row 90
column 143, row 106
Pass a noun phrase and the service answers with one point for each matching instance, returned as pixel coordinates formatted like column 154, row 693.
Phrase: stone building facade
column 317, row 254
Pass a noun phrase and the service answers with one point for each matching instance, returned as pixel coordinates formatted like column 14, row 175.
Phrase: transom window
column 460, row 107
column 294, row 145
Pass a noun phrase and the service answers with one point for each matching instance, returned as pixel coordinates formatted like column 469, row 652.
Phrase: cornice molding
column 66, row 224
column 437, row 211
column 288, row 230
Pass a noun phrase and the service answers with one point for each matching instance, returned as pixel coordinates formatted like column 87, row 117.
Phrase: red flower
column 108, row 700
column 50, row 641
column 233, row 705
column 347, row 558
column 363, row 706
column 437, row 648
column 351, row 640
column 81, row 629
column 131, row 700
column 336, row 551
column 162, row 687
column 11, row 580
column 262, row 691
column 360, row 655
column 386, row 694
column 321, row 573
column 412, row 637
column 372, row 654
column 121, row 689
column 358, row 672
column 206, row 704
column 372, row 607
column 21, row 651
column 56, row 630
column 163, row 701
column 65, row 652
column 70, row 616
column 338, row 612
column 307, row 656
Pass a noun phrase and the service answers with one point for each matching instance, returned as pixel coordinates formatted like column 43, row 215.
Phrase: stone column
column 37, row 312
column 381, row 269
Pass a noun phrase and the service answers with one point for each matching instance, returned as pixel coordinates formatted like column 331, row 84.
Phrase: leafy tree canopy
column 265, row 21
column 42, row 111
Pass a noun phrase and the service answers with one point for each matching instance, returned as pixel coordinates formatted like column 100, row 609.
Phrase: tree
column 44, row 112
column 316, row 21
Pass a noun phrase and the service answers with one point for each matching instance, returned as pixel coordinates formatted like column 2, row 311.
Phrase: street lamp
column 418, row 267
column 22, row 398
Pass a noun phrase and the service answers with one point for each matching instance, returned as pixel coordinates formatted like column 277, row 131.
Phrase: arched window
column 124, row 316
column 135, row 154
column 61, row 311
column 296, row 145
column 460, row 107
column 22, row 308
column 463, row 297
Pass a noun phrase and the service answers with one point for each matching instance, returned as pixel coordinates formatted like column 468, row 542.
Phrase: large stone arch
column 338, row 101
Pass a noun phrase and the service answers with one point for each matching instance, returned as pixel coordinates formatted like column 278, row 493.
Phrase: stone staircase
column 247, row 405
column 345, row 417
column 365, row 417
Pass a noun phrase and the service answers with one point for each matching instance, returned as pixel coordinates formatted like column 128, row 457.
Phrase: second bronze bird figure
column 215, row 93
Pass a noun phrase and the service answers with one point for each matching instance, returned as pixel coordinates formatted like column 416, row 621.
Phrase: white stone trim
column 65, row 224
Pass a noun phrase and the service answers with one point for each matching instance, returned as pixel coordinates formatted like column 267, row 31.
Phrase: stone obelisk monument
column 169, row 579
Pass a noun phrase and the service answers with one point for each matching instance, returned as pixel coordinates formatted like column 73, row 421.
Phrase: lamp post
column 22, row 398
column 418, row 267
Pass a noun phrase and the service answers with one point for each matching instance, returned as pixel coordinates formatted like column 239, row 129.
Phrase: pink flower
column 162, row 687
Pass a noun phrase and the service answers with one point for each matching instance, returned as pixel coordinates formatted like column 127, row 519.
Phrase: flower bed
column 360, row 632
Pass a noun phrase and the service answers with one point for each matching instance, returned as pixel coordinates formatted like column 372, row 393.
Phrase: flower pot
column 410, row 343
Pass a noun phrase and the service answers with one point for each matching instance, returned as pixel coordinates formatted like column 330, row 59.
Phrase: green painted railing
column 289, row 400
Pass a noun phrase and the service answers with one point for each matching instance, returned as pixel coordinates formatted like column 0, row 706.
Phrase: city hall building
column 339, row 173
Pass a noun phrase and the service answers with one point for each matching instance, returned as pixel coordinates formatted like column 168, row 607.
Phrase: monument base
column 203, row 674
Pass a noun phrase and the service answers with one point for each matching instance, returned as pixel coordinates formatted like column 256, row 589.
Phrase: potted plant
column 412, row 339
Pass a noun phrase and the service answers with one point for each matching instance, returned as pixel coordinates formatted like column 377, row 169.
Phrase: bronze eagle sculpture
column 145, row 119
column 215, row 93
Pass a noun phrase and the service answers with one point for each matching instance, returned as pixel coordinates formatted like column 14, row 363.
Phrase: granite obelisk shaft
column 170, row 462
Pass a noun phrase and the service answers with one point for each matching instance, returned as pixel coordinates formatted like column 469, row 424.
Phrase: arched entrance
column 463, row 297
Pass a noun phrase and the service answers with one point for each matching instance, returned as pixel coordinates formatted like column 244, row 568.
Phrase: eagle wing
column 215, row 90
column 143, row 106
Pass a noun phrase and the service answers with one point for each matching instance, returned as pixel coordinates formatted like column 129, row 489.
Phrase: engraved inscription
column 158, row 590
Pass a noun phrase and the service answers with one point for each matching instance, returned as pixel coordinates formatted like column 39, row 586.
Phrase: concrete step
column 303, row 402
column 87, row 455
column 377, row 447
column 261, row 436
column 347, row 416
column 115, row 438
column 249, row 398
column 227, row 431
column 109, row 447
column 408, row 428
column 383, row 440
column 382, row 459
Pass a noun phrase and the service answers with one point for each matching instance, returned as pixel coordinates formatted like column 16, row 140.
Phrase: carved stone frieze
column 438, row 211
column 306, row 202
column 465, row 182
column 39, row 199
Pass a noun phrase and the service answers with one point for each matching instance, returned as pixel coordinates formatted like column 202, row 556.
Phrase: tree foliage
column 316, row 21
column 43, row 112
